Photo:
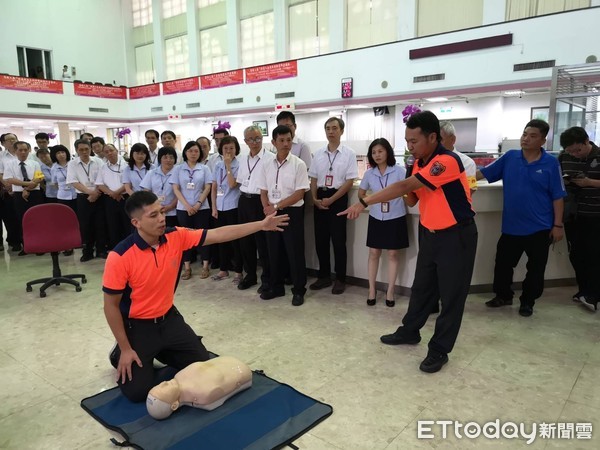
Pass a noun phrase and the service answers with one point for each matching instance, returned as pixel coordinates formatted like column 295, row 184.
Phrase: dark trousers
column 229, row 252
column 444, row 269
column 250, row 209
column 331, row 227
column 292, row 240
column 171, row 221
column 21, row 206
column 584, row 253
column 70, row 203
column 170, row 340
column 8, row 215
column 118, row 224
column 92, row 224
column 509, row 250
column 198, row 221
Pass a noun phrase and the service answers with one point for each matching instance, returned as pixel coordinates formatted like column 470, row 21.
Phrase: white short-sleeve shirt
column 340, row 164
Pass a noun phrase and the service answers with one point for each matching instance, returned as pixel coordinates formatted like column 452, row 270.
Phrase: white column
column 233, row 33
column 281, row 29
column 407, row 19
column 193, row 33
column 159, row 41
column 337, row 25
column 493, row 11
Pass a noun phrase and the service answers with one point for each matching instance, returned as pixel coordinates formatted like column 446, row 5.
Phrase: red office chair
column 52, row 228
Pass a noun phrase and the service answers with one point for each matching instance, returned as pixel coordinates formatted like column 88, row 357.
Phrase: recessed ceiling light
column 436, row 99
column 515, row 92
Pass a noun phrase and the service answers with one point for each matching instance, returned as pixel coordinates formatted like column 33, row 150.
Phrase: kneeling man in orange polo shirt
column 140, row 278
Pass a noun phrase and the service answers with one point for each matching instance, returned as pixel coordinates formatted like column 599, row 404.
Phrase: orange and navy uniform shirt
column 445, row 200
column 147, row 277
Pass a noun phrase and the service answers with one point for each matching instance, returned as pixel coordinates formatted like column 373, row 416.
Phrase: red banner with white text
column 30, row 84
column 275, row 71
column 221, row 79
column 147, row 90
column 183, row 85
column 95, row 90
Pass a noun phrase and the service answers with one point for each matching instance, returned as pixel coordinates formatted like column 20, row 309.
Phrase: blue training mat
column 267, row 415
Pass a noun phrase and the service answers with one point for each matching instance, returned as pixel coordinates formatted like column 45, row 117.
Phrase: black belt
column 327, row 189
column 156, row 319
column 245, row 194
column 461, row 224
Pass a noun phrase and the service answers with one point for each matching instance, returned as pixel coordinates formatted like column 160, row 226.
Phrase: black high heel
column 390, row 303
column 371, row 301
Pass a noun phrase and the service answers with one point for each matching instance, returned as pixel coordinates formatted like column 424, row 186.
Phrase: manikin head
column 163, row 399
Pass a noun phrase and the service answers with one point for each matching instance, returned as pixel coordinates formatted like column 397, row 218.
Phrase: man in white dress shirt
column 8, row 213
column 332, row 174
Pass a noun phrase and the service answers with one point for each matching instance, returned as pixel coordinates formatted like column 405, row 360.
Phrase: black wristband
column 558, row 226
column 362, row 202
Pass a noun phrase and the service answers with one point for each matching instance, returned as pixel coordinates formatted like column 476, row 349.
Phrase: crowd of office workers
column 201, row 190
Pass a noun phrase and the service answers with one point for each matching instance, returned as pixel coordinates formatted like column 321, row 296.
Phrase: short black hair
column 138, row 200
column 59, row 148
column 229, row 140
column 426, row 121
column 79, row 142
column 41, row 150
column 224, row 131
column 154, row 132
column 168, row 132
column 42, row 136
column 3, row 137
column 16, row 144
column 138, row 147
column 339, row 121
column 90, row 135
column 541, row 125
column 286, row 115
column 189, row 145
column 390, row 160
column 97, row 139
column 573, row 135
column 280, row 130
column 166, row 151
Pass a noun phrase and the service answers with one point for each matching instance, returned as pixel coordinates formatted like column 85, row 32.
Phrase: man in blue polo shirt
column 532, row 217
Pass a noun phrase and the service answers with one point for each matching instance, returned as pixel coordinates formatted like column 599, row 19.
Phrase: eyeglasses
column 257, row 140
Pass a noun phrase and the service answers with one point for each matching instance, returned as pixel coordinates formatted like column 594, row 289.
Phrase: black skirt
column 387, row 234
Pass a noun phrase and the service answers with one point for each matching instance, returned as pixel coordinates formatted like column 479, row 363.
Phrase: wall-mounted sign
column 96, row 90
column 30, row 84
column 148, row 90
column 183, row 85
column 347, row 89
column 221, row 79
column 276, row 71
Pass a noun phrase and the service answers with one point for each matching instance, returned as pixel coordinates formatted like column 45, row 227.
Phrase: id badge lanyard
column 329, row 177
column 276, row 193
column 385, row 206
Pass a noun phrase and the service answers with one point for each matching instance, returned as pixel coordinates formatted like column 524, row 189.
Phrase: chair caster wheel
column 42, row 294
column 29, row 289
column 84, row 280
column 77, row 288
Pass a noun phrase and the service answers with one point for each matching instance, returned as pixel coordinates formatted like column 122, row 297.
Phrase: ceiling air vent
column 534, row 65
column 426, row 78
column 231, row 101
column 102, row 110
column 156, row 109
column 192, row 105
column 38, row 106
column 285, row 95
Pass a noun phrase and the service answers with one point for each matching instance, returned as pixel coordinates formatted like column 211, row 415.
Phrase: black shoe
column 496, row 302
column 577, row 297
column 21, row 253
column 589, row 303
column 68, row 253
column 268, row 295
column 245, row 284
column 263, row 288
column 371, row 301
column 297, row 299
column 102, row 255
column 320, row 284
column 526, row 310
column 433, row 362
column 288, row 281
column 85, row 258
column 114, row 355
column 399, row 338
column 390, row 303
column 338, row 287
column 16, row 248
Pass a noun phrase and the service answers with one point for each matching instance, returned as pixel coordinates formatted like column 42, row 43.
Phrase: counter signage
column 276, row 71
column 221, row 79
column 95, row 90
column 30, row 84
column 147, row 90
column 347, row 91
column 183, row 85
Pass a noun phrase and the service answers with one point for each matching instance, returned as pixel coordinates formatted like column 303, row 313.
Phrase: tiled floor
column 53, row 353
